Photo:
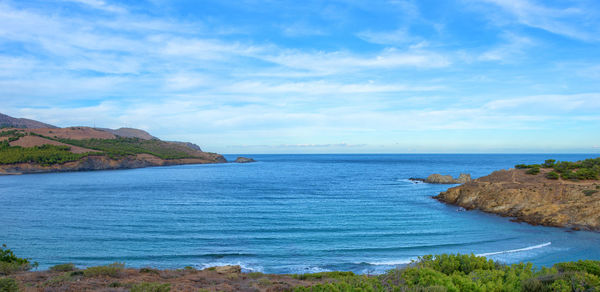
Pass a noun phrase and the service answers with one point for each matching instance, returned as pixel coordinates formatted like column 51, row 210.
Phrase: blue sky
column 312, row 76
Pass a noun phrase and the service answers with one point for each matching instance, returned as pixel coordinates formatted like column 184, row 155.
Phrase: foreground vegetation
column 428, row 273
column 588, row 169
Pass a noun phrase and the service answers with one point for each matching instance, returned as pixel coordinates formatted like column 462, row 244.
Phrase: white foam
column 515, row 250
column 391, row 263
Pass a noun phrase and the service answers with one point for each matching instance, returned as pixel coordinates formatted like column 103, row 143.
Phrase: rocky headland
column 28, row 146
column 538, row 196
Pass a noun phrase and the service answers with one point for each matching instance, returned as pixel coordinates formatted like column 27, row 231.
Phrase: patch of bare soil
column 31, row 141
column 76, row 133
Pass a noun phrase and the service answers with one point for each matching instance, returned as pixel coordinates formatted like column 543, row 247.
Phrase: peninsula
column 28, row 146
column 560, row 194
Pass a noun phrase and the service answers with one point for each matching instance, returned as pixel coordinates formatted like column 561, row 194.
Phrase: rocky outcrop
column 444, row 179
column 531, row 198
column 228, row 269
column 244, row 160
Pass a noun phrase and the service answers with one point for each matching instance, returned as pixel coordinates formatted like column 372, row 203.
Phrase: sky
column 249, row 76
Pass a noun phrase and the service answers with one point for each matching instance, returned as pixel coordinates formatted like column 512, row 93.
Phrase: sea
column 281, row 214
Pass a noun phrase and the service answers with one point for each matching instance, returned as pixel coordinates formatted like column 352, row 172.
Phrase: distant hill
column 129, row 133
column 10, row 122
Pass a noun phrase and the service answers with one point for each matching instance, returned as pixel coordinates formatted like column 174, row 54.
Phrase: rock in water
column 440, row 179
column 444, row 179
column 244, row 160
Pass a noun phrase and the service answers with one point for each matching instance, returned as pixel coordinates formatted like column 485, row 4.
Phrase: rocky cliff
column 105, row 163
column 534, row 199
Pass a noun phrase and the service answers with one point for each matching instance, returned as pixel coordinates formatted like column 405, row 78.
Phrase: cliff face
column 531, row 198
column 105, row 163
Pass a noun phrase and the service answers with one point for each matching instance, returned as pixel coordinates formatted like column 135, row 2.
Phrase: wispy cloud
column 100, row 5
column 565, row 21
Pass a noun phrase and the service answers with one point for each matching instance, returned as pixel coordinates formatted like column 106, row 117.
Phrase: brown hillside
column 31, row 141
column 75, row 133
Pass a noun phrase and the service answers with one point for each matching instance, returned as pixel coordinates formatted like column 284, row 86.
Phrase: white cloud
column 510, row 51
column 100, row 5
column 562, row 21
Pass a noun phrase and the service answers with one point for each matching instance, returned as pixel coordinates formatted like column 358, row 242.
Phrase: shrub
column 112, row 270
column 63, row 268
column 468, row 273
column 8, row 285
column 552, row 175
column 533, row 170
column 589, row 192
column 151, row 287
column 549, row 163
column 10, row 263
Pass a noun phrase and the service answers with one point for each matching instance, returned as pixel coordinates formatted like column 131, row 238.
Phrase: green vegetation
column 588, row 169
column 63, row 268
column 43, row 155
column 468, row 273
column 120, row 147
column 10, row 263
column 112, row 270
column 552, row 175
column 151, row 287
column 8, row 285
column 589, row 192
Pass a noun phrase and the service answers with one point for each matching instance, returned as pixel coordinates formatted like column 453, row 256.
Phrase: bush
column 549, row 163
column 8, row 285
column 552, row 175
column 533, row 170
column 10, row 263
column 589, row 192
column 63, row 268
column 112, row 270
column 151, row 287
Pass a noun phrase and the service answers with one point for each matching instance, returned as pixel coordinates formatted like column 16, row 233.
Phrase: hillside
column 550, row 195
column 10, row 122
column 34, row 150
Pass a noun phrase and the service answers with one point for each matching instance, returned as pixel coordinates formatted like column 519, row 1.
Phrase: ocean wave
column 515, row 250
column 390, row 263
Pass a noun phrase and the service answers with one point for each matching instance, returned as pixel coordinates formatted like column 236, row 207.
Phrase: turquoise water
column 283, row 214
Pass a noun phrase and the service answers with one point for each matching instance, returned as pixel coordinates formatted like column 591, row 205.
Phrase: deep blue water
column 283, row 214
